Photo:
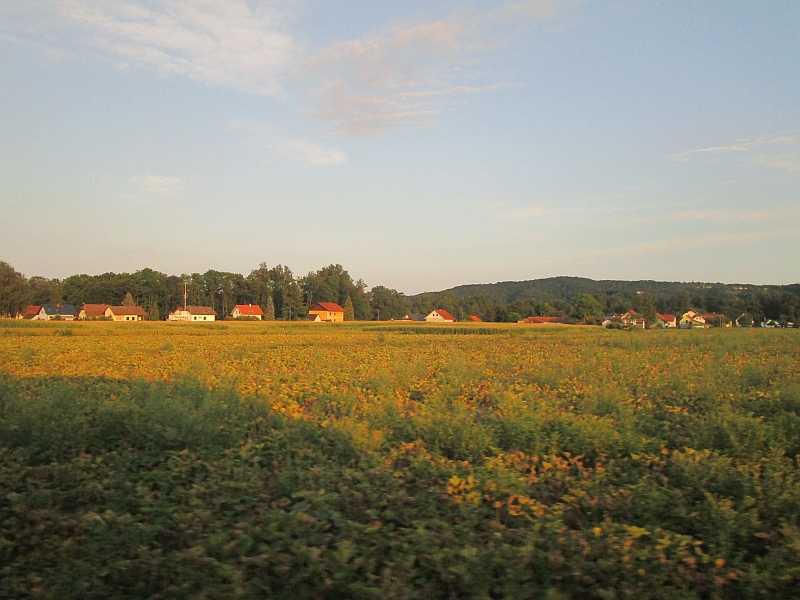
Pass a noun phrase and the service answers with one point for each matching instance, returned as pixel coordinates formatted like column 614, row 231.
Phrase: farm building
column 440, row 315
column 125, row 313
column 327, row 311
column 193, row 313
column 247, row 310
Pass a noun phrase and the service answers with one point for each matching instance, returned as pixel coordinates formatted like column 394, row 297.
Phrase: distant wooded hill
column 565, row 288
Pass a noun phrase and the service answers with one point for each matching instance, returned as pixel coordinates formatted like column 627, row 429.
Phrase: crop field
column 365, row 460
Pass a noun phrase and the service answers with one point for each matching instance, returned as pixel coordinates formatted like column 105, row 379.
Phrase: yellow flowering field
column 247, row 459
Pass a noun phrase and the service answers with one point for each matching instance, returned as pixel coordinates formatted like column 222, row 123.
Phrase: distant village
column 331, row 312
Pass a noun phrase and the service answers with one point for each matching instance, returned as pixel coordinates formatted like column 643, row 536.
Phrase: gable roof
column 667, row 318
column 444, row 314
column 475, row 318
column 197, row 310
column 33, row 309
column 250, row 309
column 327, row 306
column 540, row 320
column 59, row 309
column 127, row 310
column 94, row 310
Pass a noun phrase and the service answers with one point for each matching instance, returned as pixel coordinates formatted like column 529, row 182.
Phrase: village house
column 475, row 319
column 31, row 313
column 329, row 312
column 440, row 315
column 58, row 312
column 92, row 311
column 313, row 317
column 634, row 319
column 693, row 320
column 125, row 313
column 411, row 317
column 247, row 310
column 542, row 321
column 193, row 314
column 667, row 321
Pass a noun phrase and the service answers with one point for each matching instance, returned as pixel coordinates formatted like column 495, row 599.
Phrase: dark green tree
column 154, row 314
column 269, row 309
column 349, row 311
column 585, row 308
column 128, row 300
column 14, row 292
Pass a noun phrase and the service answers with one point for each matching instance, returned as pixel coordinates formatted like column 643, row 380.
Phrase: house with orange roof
column 92, row 311
column 247, row 310
column 541, row 320
column 328, row 312
column 475, row 319
column 440, row 315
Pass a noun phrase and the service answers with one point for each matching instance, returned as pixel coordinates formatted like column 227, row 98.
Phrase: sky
column 421, row 145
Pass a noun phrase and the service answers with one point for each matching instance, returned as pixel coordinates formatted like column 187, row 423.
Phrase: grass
column 299, row 461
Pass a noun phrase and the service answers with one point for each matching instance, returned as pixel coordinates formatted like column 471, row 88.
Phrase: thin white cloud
column 688, row 243
column 772, row 151
column 161, row 185
column 228, row 43
column 402, row 77
column 528, row 212
column 291, row 149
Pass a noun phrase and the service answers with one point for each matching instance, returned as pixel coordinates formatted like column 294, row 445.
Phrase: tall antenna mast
column 184, row 296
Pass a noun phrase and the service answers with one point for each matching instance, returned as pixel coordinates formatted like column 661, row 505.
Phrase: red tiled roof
column 250, row 309
column 534, row 320
column 33, row 309
column 128, row 310
column 445, row 315
column 327, row 306
column 475, row 318
column 94, row 310
column 667, row 318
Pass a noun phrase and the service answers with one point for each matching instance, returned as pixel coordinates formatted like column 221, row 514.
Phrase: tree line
column 284, row 296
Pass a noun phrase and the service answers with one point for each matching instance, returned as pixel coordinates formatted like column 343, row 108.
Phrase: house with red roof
column 247, row 310
column 667, row 321
column 475, row 319
column 32, row 312
column 329, row 312
column 440, row 315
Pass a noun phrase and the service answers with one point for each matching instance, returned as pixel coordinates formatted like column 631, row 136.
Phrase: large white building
column 193, row 313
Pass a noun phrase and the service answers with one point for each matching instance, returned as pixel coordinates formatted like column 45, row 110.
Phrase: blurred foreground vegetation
column 156, row 461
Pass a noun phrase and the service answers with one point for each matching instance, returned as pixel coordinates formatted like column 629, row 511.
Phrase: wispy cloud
column 772, row 152
column 226, row 43
column 289, row 148
column 688, row 243
column 161, row 185
column 402, row 76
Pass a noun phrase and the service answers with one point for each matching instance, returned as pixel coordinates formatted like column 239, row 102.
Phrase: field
column 274, row 460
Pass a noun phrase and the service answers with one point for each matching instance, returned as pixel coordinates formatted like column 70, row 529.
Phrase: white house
column 193, row 313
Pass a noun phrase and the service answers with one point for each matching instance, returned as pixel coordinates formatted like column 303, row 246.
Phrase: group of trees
column 282, row 295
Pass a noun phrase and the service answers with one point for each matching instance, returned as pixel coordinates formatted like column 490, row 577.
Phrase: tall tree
column 128, row 300
column 585, row 308
column 14, row 293
column 154, row 314
column 349, row 311
column 269, row 310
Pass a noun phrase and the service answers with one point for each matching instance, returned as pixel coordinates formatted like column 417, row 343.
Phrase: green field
column 268, row 460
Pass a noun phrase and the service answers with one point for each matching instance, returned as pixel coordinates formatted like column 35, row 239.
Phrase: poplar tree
column 128, row 301
column 154, row 314
column 269, row 310
column 349, row 311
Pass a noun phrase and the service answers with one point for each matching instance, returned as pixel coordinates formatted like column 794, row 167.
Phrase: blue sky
column 420, row 144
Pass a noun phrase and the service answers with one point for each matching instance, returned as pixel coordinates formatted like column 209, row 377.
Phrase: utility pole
column 184, row 296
